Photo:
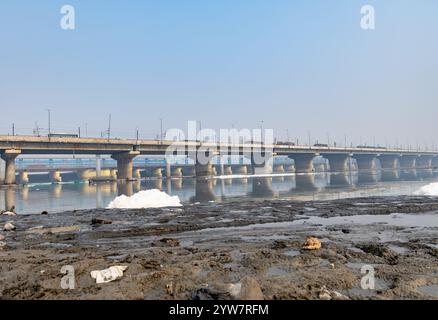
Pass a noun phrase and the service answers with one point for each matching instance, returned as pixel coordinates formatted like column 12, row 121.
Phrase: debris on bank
column 108, row 275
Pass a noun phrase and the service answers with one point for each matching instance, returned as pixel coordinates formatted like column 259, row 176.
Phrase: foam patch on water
column 428, row 190
column 145, row 199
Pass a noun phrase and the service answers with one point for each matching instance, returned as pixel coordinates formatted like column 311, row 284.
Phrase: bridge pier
column 9, row 157
column 176, row 172
column 85, row 175
column 157, row 173
column 55, row 176
column 137, row 174
column 389, row 162
column 24, row 177
column 263, row 165
column 278, row 168
column 408, row 161
column 303, row 162
column 338, row 162
column 424, row 162
column 227, row 170
column 124, row 164
column 366, row 161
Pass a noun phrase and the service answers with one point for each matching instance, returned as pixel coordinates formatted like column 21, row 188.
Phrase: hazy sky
column 297, row 65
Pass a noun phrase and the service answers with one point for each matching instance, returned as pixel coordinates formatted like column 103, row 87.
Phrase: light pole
column 161, row 130
column 48, row 114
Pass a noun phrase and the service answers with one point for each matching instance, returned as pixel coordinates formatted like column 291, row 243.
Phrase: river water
column 38, row 197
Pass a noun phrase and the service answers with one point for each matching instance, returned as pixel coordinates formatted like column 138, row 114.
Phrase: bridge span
column 125, row 150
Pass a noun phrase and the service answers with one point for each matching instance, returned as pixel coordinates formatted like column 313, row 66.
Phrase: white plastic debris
column 9, row 227
column 108, row 275
column 9, row 213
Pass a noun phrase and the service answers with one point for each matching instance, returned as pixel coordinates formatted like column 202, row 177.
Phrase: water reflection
column 35, row 198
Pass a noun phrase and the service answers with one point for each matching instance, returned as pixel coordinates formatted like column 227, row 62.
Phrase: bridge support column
column 228, row 170
column 366, row 161
column 263, row 165
column 176, row 172
column 55, row 176
column 24, row 177
column 168, row 170
column 113, row 173
column 157, row 173
column 137, row 174
column 338, row 162
column 424, row 162
column 9, row 157
column 85, row 175
column 124, row 164
column 408, row 161
column 303, row 162
column 98, row 165
column 278, row 168
column 389, row 162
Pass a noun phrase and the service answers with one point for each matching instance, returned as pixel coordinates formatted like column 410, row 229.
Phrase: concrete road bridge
column 124, row 151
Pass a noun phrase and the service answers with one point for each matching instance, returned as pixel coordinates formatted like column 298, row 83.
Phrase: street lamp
column 48, row 113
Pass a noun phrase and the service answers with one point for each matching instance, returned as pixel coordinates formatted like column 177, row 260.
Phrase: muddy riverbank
column 200, row 251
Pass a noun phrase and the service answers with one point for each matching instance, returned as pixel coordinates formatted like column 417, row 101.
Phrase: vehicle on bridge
column 62, row 135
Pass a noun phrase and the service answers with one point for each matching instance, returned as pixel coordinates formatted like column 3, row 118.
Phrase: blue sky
column 296, row 65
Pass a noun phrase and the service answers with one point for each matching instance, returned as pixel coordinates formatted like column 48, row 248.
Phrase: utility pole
column 50, row 125
column 13, row 129
column 109, row 127
column 161, row 130
column 79, row 132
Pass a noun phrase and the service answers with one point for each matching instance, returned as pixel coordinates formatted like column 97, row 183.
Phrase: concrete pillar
column 366, row 161
column 157, row 173
column 98, row 165
column 113, row 173
column 278, row 168
column 204, row 170
column 2, row 170
column 168, row 170
column 239, row 169
column 424, row 162
column 9, row 157
column 137, row 174
column 176, row 172
column 303, row 162
column 55, row 176
column 227, row 170
column 85, row 175
column 389, row 161
column 24, row 177
column 338, row 162
column 263, row 163
column 408, row 161
column 124, row 164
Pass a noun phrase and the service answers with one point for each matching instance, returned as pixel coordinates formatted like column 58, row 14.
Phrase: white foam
column 153, row 198
column 430, row 189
